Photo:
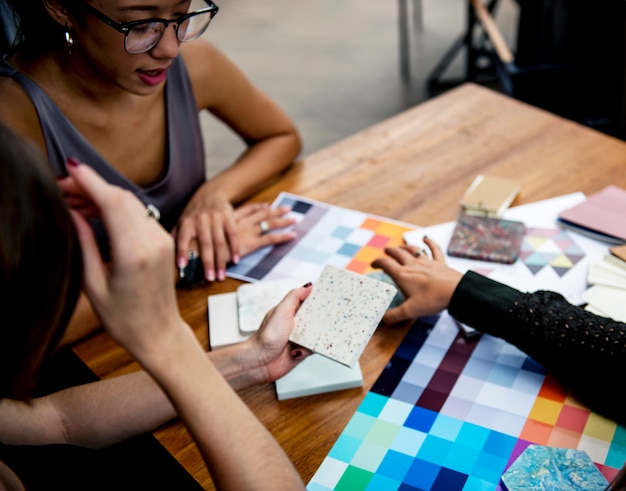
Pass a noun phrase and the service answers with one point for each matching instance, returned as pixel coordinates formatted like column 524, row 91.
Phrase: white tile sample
column 223, row 321
column 316, row 375
column 254, row 300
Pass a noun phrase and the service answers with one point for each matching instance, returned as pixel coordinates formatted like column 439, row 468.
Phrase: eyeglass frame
column 126, row 27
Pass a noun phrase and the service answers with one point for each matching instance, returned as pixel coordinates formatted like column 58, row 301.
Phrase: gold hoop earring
column 69, row 40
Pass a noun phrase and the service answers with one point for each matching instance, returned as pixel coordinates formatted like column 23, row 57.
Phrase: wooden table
column 413, row 167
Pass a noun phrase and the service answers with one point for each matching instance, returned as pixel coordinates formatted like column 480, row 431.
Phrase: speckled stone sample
column 541, row 468
column 340, row 315
column 382, row 276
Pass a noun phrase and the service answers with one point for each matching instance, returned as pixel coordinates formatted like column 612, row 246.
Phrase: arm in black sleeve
column 586, row 352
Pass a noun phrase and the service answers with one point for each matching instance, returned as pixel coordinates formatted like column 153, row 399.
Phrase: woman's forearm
column 256, row 167
column 93, row 415
column 109, row 411
column 225, row 430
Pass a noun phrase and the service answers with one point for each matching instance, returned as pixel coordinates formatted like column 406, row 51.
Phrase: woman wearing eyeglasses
column 120, row 84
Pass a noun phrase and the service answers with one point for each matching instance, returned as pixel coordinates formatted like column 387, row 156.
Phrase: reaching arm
column 93, row 415
column 272, row 143
column 134, row 298
column 586, row 352
column 102, row 413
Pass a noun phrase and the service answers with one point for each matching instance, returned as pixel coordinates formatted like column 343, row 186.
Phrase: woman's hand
column 255, row 220
column 252, row 222
column 269, row 347
column 208, row 221
column 427, row 284
column 133, row 293
column 222, row 234
column 76, row 198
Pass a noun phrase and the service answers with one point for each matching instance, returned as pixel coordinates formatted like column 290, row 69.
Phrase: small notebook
column 600, row 216
column 486, row 239
column 341, row 313
column 489, row 196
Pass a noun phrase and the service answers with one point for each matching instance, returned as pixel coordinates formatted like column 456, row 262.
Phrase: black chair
column 568, row 57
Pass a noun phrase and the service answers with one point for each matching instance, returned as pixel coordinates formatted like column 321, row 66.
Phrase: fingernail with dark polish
column 306, row 285
column 295, row 354
column 73, row 161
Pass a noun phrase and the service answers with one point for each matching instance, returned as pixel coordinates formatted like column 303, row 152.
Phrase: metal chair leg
column 410, row 20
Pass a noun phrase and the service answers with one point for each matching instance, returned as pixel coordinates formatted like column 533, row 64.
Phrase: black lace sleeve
column 586, row 352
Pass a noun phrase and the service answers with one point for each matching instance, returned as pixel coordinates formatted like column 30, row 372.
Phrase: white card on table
column 340, row 315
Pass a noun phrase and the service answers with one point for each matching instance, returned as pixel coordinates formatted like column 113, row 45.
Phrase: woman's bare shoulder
column 17, row 110
column 210, row 71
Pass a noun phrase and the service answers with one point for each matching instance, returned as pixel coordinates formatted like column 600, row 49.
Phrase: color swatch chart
column 326, row 234
column 450, row 414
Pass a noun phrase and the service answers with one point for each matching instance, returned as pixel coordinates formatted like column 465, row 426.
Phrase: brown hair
column 40, row 264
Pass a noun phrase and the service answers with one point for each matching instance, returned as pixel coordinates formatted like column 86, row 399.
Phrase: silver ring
column 263, row 225
column 153, row 212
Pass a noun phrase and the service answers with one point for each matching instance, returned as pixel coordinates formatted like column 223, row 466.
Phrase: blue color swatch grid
column 449, row 414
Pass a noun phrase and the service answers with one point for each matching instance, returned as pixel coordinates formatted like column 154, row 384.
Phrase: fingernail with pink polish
column 73, row 161
column 210, row 275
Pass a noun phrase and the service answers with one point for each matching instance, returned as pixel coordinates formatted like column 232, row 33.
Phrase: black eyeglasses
column 143, row 35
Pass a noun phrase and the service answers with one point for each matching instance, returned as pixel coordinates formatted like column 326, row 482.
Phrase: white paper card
column 612, row 301
column 340, row 315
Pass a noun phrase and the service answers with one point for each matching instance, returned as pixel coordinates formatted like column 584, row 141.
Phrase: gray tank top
column 184, row 162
